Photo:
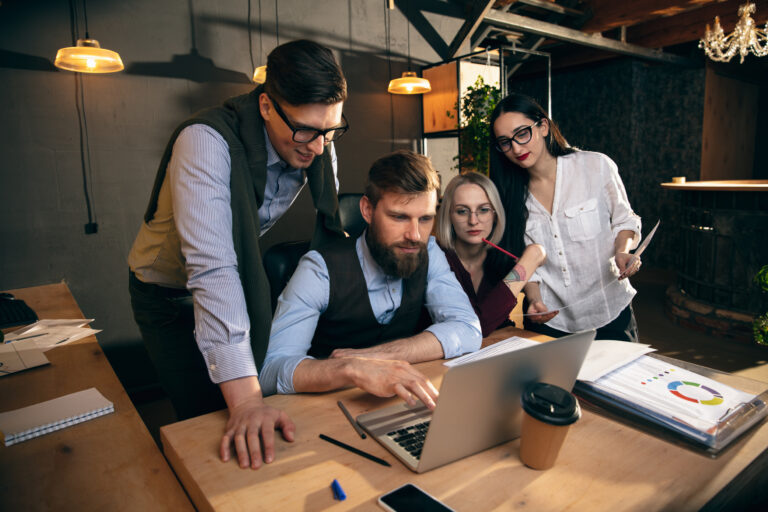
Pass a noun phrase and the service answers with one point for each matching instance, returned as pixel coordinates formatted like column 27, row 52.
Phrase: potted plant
column 476, row 106
column 760, row 324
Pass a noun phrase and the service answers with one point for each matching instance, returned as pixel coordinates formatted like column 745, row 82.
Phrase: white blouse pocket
column 583, row 220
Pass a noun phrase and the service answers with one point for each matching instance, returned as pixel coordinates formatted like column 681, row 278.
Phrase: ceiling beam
column 690, row 27
column 609, row 14
column 551, row 6
column 472, row 22
column 550, row 30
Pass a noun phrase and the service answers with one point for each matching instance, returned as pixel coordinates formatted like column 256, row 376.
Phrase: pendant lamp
column 260, row 75
column 88, row 57
column 409, row 83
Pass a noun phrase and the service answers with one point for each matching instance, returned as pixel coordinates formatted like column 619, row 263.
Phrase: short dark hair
column 404, row 172
column 302, row 72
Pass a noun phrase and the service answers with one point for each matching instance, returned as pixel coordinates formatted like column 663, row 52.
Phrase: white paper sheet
column 604, row 356
column 507, row 345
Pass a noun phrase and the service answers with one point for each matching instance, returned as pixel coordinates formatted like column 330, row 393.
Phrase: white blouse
column 590, row 208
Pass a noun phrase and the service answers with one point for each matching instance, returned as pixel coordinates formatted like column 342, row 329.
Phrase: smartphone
column 410, row 498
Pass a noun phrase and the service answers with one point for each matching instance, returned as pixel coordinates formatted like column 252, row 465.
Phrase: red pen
column 502, row 250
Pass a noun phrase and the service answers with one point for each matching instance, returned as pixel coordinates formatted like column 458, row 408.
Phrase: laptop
column 479, row 404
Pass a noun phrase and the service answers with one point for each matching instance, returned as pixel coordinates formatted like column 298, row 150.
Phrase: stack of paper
column 502, row 347
column 47, row 334
column 603, row 357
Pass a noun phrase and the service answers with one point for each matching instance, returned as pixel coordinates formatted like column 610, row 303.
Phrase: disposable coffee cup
column 549, row 412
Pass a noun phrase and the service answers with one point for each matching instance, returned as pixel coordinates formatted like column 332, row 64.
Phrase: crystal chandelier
column 745, row 37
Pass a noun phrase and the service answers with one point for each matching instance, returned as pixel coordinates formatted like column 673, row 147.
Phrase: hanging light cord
column 85, row 149
column 408, row 25
column 250, row 40
column 277, row 24
column 82, row 121
column 85, row 18
column 387, row 26
column 261, row 31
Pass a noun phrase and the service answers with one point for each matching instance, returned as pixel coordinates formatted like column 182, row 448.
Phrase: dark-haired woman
column 574, row 204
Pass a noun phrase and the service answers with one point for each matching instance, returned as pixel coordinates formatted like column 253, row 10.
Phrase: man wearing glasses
column 197, row 281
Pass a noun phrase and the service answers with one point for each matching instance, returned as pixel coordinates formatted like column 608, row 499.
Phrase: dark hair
column 302, row 72
column 511, row 179
column 404, row 172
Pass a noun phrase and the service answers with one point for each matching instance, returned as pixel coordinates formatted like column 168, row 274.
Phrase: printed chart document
column 690, row 403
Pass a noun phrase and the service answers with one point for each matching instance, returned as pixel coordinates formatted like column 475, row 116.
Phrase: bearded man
column 351, row 315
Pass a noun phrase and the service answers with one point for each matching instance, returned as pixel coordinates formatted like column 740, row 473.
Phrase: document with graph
column 710, row 411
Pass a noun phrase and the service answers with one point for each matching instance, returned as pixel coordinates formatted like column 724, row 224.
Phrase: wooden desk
column 604, row 465
column 108, row 463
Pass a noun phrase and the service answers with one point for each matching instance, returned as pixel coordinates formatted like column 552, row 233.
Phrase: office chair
column 349, row 210
column 281, row 259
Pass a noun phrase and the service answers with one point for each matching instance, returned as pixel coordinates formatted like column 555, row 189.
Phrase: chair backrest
column 349, row 210
column 280, row 262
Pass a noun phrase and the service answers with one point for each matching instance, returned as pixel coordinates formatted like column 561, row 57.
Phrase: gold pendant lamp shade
column 88, row 57
column 260, row 75
column 409, row 83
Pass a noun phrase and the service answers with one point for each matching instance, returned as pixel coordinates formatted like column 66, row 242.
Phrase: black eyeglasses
column 521, row 136
column 305, row 135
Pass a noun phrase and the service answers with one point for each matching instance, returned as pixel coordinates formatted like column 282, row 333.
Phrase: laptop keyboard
column 411, row 438
column 14, row 312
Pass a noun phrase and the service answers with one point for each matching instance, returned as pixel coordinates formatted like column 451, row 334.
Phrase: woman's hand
column 627, row 265
column 539, row 307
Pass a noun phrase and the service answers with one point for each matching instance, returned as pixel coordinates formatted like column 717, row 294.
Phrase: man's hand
column 388, row 378
column 252, row 423
column 539, row 307
column 626, row 265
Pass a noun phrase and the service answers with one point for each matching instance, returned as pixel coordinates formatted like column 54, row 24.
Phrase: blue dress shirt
column 199, row 177
column 306, row 297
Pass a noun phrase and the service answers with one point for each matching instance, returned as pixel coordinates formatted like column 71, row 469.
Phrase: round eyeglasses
column 305, row 135
column 521, row 137
column 484, row 213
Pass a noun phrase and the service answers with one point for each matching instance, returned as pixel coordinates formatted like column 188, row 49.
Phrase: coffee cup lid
column 550, row 404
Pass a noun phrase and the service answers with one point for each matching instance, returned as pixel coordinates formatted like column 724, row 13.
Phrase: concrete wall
column 130, row 117
column 648, row 119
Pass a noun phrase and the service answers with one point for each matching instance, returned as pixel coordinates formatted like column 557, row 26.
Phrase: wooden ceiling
column 577, row 31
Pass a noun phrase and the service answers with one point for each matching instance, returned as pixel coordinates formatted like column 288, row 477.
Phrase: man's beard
column 394, row 264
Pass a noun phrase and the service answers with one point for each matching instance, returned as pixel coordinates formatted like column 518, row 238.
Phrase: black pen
column 351, row 419
column 354, row 450
column 27, row 337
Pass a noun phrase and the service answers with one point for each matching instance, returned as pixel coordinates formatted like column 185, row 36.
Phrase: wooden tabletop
column 604, row 465
column 720, row 185
column 108, row 463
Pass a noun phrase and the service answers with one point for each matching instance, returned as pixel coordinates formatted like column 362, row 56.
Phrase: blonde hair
column 444, row 231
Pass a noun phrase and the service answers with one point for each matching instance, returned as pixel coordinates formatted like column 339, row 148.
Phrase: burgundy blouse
column 493, row 301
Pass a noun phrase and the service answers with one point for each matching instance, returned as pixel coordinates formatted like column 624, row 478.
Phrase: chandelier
column 745, row 37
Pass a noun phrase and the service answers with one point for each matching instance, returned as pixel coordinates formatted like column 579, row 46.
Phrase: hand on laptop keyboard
column 387, row 378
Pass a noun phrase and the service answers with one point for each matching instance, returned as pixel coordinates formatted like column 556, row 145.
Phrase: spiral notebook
column 45, row 417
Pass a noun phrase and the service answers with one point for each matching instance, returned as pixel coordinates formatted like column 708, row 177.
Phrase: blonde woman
column 471, row 215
